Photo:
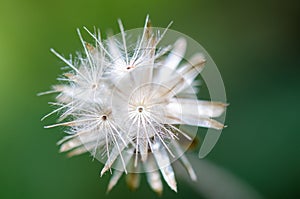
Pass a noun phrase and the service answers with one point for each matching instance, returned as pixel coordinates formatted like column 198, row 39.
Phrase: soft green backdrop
column 254, row 43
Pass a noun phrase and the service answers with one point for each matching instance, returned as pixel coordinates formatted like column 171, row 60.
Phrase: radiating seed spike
column 114, row 179
column 133, row 181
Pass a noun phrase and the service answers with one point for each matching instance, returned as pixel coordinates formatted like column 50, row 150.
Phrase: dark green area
column 254, row 43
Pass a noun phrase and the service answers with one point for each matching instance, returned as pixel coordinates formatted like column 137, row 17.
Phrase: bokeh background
column 254, row 43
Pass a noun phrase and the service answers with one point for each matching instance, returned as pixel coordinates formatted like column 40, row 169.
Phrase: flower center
column 104, row 117
column 140, row 109
column 94, row 86
column 129, row 67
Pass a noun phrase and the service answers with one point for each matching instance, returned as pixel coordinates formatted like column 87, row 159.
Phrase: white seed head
column 124, row 101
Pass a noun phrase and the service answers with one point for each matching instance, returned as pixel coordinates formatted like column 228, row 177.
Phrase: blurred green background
column 254, row 43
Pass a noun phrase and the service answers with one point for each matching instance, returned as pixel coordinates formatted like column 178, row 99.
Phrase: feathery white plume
column 124, row 101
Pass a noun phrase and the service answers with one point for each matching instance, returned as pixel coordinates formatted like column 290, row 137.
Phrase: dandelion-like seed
column 124, row 101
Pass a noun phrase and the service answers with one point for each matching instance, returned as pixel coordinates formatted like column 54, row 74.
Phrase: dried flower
column 124, row 102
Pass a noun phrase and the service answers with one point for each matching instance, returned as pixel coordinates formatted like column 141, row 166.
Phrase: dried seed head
column 124, row 101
